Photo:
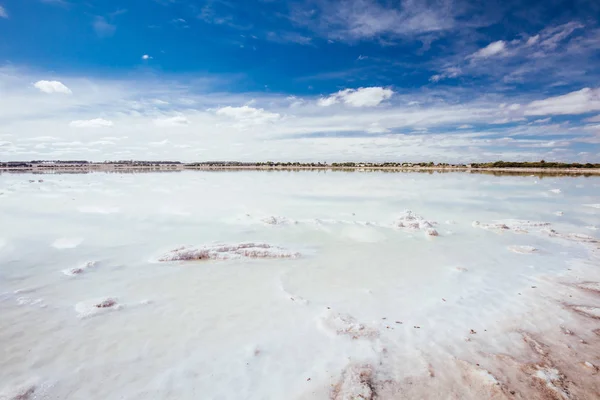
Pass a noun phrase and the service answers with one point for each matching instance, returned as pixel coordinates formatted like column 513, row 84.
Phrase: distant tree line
column 49, row 164
column 535, row 164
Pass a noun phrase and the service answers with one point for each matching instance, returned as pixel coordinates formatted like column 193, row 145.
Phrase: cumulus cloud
column 578, row 102
column 492, row 49
column 146, row 57
column 274, row 130
column 91, row 123
column 3, row 13
column 327, row 101
column 52, row 87
column 362, row 97
column 248, row 114
column 178, row 120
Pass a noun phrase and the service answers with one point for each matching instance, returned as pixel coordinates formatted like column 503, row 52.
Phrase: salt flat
column 299, row 285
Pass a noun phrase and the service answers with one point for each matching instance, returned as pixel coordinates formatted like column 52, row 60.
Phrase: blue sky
column 442, row 80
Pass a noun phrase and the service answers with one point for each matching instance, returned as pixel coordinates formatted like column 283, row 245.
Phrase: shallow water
column 262, row 328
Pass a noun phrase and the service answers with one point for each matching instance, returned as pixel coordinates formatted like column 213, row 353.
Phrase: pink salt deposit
column 79, row 270
column 226, row 252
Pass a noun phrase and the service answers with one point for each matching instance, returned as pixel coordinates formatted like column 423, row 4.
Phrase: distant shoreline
column 176, row 167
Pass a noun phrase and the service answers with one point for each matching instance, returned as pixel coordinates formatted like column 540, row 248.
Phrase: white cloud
column 327, row 101
column 354, row 20
column 295, row 101
column 103, row 28
column 146, row 57
column 91, row 123
column 247, row 114
column 269, row 128
column 3, row 13
column 514, row 107
column 542, row 120
column 533, row 40
column 578, row 102
column 52, row 87
column 375, row 127
column 551, row 37
column 556, row 55
column 492, row 49
column 450, row 72
column 362, row 97
column 593, row 119
column 178, row 120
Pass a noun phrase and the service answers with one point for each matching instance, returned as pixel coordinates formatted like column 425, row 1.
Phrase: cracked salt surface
column 299, row 286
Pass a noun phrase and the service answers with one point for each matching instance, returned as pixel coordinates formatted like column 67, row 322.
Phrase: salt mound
column 79, row 270
column 225, row 252
column 67, row 243
column 522, row 249
column 409, row 220
column 90, row 308
column 413, row 221
column 356, row 383
column 514, row 225
column 344, row 324
column 577, row 237
column 274, row 220
column 477, row 224
column 581, row 237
